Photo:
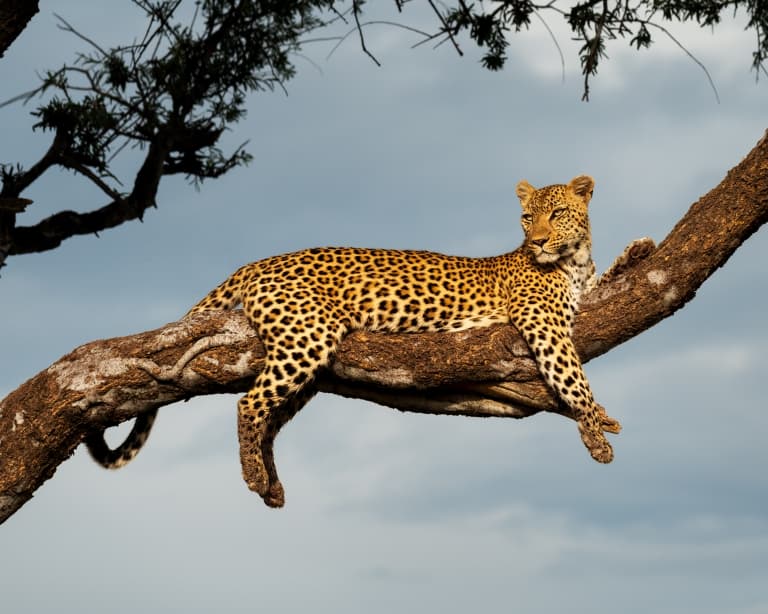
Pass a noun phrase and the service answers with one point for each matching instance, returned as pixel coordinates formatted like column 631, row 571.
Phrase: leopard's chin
column 544, row 257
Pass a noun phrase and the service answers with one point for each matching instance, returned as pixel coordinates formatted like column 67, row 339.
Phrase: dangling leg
column 275, row 496
column 291, row 363
column 573, row 387
column 252, row 411
column 561, row 368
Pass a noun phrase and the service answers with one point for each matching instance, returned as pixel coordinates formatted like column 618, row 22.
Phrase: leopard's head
column 555, row 219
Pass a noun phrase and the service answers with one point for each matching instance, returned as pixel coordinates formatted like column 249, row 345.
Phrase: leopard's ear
column 524, row 191
column 582, row 186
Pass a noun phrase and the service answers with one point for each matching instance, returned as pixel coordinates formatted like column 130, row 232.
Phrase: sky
column 398, row 512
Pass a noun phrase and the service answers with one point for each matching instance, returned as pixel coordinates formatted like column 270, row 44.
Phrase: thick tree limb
column 51, row 231
column 478, row 372
column 14, row 17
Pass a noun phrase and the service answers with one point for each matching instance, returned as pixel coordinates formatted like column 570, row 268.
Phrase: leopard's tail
column 226, row 295
column 115, row 458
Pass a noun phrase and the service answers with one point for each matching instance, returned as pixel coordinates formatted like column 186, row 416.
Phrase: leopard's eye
column 556, row 213
column 526, row 218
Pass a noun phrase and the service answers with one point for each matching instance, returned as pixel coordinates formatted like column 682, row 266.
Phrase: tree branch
column 14, row 17
column 50, row 232
column 356, row 15
column 477, row 372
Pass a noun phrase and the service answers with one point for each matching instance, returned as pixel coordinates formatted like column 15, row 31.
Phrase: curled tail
column 225, row 296
column 126, row 451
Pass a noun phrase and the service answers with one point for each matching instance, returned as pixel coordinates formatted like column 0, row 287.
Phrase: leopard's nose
column 539, row 242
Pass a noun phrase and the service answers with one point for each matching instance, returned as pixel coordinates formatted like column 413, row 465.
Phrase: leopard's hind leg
column 292, row 361
column 256, row 411
column 275, row 496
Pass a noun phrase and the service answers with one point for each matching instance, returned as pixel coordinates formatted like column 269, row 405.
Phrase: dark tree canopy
column 594, row 22
column 174, row 88
column 171, row 92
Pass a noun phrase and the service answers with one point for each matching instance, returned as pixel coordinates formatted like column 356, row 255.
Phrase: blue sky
column 387, row 511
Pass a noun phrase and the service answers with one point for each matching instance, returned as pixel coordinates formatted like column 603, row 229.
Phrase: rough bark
column 478, row 372
column 14, row 17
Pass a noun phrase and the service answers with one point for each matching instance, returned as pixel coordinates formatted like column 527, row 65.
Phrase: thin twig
column 339, row 15
column 25, row 96
column 320, row 39
column 355, row 13
column 88, row 173
column 68, row 28
column 149, row 34
column 379, row 22
column 554, row 40
column 162, row 19
column 310, row 61
column 690, row 55
column 594, row 51
column 446, row 29
column 93, row 86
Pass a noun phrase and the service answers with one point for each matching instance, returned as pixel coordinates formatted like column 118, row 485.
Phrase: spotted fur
column 125, row 452
column 302, row 305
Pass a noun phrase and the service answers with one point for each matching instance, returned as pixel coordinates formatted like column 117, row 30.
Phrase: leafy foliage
column 593, row 22
column 183, row 83
column 171, row 93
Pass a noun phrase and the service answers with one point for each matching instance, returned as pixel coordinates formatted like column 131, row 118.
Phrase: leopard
column 303, row 304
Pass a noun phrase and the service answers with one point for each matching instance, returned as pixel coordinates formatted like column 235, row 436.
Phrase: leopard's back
column 372, row 289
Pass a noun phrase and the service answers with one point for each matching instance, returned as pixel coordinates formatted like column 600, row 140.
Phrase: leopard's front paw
column 633, row 253
column 640, row 248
